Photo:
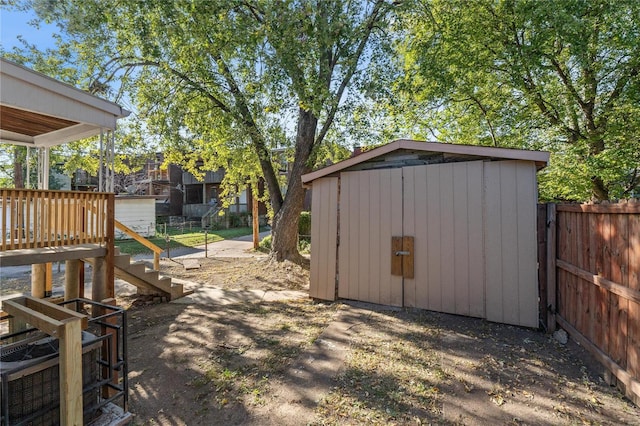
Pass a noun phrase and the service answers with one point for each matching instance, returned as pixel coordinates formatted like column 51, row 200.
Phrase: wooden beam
column 551, row 267
column 50, row 254
column 624, row 208
column 620, row 290
column 37, row 313
column 71, row 373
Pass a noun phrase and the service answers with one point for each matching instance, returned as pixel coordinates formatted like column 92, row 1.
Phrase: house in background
column 178, row 196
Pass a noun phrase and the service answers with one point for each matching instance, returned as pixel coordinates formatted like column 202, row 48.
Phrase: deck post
column 71, row 279
column 99, row 280
column 38, row 279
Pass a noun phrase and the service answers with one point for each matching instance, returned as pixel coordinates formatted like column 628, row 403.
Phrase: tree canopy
column 542, row 74
column 227, row 81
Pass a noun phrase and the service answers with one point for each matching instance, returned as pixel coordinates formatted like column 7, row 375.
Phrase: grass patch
column 183, row 237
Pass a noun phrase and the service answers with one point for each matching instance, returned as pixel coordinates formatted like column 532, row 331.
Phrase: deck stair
column 137, row 273
column 149, row 280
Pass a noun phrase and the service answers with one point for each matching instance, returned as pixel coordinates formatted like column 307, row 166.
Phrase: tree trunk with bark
column 284, row 242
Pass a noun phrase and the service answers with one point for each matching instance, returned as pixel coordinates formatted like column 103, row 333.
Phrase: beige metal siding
column 370, row 214
column 443, row 211
column 510, row 243
column 324, row 231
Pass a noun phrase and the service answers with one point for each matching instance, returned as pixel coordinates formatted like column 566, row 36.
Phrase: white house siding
column 138, row 213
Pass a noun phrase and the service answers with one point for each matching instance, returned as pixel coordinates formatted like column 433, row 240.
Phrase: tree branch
column 369, row 25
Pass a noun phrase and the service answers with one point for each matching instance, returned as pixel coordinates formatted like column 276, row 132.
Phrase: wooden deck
column 40, row 227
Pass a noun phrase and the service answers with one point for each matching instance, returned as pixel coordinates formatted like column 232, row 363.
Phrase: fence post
column 551, row 267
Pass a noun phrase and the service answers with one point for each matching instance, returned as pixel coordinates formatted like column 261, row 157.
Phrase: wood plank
column 55, row 311
column 20, row 228
column 354, row 236
column 509, row 243
column 591, row 248
column 572, row 280
column 460, row 239
column 408, row 261
column 5, row 202
column 541, row 234
column 633, row 319
column 551, row 267
column 37, row 319
column 475, row 238
column 606, row 273
column 628, row 208
column 396, row 229
column 70, row 374
column 344, row 237
column 110, row 241
column 50, row 254
column 600, row 294
column 377, row 255
column 619, row 273
column 434, row 233
column 527, row 245
column 493, row 242
column 28, row 232
column 447, row 252
column 408, row 228
column 607, row 285
column 563, row 244
column 365, row 264
column 421, row 236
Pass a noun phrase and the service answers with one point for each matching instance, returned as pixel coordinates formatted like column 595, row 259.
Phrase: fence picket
column 598, row 284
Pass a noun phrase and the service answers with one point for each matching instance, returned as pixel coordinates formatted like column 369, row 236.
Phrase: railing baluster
column 4, row 219
column 27, row 230
column 39, row 218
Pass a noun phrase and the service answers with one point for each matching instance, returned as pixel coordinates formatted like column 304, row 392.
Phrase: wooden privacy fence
column 592, row 283
column 33, row 219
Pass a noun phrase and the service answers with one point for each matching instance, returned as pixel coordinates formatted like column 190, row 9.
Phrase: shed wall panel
column 461, row 212
column 475, row 239
column 434, row 212
column 510, row 243
column 447, row 280
column 324, row 231
column 447, row 236
column 370, row 205
column 527, row 244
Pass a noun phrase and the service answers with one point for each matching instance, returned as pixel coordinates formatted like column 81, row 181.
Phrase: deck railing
column 33, row 219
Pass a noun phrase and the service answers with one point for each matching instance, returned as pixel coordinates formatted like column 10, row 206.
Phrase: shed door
column 443, row 212
column 441, row 207
column 370, row 214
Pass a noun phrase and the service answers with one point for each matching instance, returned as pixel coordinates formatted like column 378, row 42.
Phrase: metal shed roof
column 36, row 110
column 450, row 152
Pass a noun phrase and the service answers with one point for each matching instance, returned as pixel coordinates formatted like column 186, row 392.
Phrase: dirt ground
column 197, row 364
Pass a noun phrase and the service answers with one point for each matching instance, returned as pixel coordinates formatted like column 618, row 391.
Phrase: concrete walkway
column 233, row 247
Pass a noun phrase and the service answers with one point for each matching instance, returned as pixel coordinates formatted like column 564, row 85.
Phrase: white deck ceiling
column 39, row 111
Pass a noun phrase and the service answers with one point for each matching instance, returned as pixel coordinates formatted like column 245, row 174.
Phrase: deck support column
column 99, row 280
column 72, row 279
column 38, row 280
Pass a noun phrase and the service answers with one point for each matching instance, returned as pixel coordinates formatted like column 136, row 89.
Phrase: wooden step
column 137, row 273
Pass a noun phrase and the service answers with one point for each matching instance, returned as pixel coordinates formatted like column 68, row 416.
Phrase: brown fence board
column 633, row 319
column 598, row 283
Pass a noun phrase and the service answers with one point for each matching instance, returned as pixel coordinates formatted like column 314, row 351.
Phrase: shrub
column 265, row 244
column 304, row 224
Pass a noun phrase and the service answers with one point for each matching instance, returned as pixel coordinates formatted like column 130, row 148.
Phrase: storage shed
column 444, row 227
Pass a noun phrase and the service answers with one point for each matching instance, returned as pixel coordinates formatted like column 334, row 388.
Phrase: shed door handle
column 403, row 253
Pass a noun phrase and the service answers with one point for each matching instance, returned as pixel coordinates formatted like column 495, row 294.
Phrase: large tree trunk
column 284, row 243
